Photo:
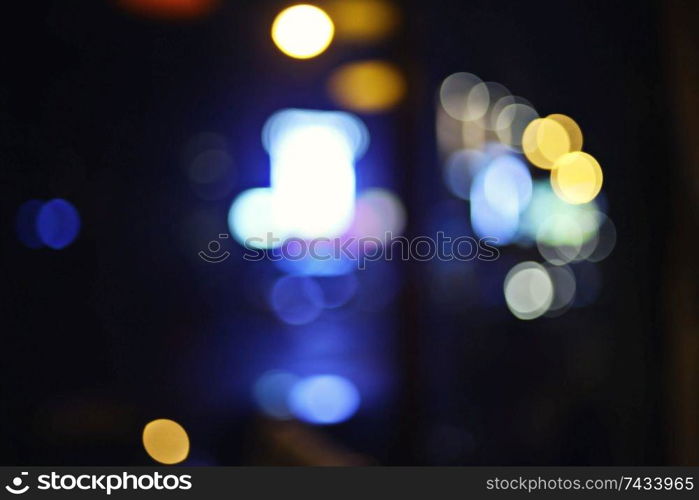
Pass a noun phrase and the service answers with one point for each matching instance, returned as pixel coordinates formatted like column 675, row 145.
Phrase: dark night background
column 125, row 325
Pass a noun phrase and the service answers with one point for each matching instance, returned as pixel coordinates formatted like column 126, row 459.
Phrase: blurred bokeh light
column 513, row 118
column 296, row 300
column 544, row 141
column 367, row 86
column 166, row 441
column 576, row 178
column 528, row 290
column 500, row 192
column 302, row 31
column 575, row 135
column 252, row 219
column 57, row 223
column 312, row 192
column 464, row 96
column 324, row 399
column 396, row 129
column 363, row 21
column 460, row 169
column 312, row 170
column 378, row 214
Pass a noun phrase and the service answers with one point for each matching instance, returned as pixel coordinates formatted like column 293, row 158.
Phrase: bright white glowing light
column 528, row 290
column 312, row 195
column 324, row 399
column 313, row 179
column 288, row 119
column 312, row 157
column 253, row 221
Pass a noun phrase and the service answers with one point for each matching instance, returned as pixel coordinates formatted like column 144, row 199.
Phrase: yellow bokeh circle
column 302, row 31
column 367, row 86
column 544, row 141
column 571, row 127
column 576, row 178
column 166, row 441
